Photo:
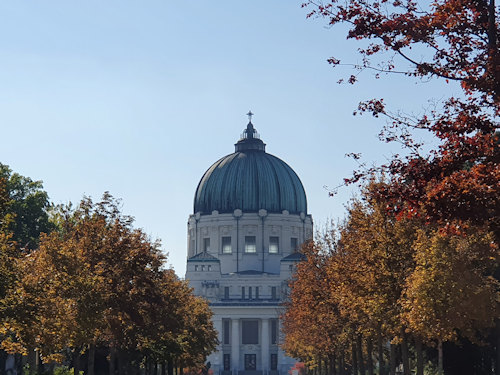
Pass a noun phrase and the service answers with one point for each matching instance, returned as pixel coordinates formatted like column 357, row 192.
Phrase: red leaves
column 333, row 61
column 457, row 40
column 455, row 35
column 375, row 106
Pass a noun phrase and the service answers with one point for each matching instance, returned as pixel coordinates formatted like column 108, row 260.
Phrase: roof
column 203, row 257
column 250, row 179
column 294, row 257
column 250, row 272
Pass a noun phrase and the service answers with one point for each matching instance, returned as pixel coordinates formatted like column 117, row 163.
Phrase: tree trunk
column 31, row 361
column 361, row 361
column 342, row 363
column 354, row 360
column 150, row 365
column 369, row 356
column 333, row 365
column 380, row 344
column 170, row 367
column 122, row 362
column 91, row 360
column 3, row 359
column 76, row 362
column 420, row 357
column 392, row 360
column 112, row 360
column 38, row 363
column 440, row 356
column 498, row 346
column 163, row 368
column 18, row 363
column 404, row 353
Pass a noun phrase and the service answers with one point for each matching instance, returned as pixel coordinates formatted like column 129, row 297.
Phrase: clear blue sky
column 140, row 97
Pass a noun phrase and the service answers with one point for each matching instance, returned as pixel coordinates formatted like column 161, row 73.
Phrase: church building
column 249, row 219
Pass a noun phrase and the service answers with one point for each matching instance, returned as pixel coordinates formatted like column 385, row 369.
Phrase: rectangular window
column 209, row 268
column 273, row 292
column 226, row 332
column 227, row 362
column 274, row 245
column 196, row 268
column 274, row 362
column 206, row 244
column 250, row 246
column 294, row 244
column 250, row 332
column 202, row 268
column 274, row 331
column 242, row 292
column 249, row 292
column 226, row 245
column 226, row 292
column 256, row 292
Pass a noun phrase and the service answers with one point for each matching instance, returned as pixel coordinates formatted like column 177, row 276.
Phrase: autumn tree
column 451, row 291
column 311, row 323
column 389, row 280
column 454, row 186
column 455, row 41
column 100, row 282
column 24, row 207
column 376, row 259
column 198, row 338
column 24, row 215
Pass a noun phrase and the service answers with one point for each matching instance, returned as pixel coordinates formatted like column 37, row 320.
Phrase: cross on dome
column 250, row 114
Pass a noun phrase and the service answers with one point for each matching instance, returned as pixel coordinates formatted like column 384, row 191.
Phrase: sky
column 140, row 98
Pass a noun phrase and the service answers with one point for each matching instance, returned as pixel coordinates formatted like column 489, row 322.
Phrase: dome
column 250, row 179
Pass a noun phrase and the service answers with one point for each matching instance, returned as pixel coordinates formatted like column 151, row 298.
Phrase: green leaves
column 23, row 208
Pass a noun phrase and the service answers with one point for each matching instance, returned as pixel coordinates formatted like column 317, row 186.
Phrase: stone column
column 283, row 366
column 235, row 345
column 265, row 346
column 217, row 355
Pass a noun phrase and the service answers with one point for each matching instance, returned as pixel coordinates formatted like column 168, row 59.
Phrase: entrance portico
column 247, row 340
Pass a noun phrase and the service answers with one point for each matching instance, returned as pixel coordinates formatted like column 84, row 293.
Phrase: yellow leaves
column 449, row 289
column 101, row 280
column 391, row 276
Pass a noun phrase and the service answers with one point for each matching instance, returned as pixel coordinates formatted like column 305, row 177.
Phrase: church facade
column 249, row 219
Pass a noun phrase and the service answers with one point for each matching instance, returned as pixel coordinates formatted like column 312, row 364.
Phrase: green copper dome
column 250, row 179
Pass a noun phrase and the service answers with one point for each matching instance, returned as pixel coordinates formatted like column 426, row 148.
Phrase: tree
column 99, row 281
column 450, row 292
column 23, row 216
column 455, row 186
column 389, row 280
column 377, row 258
column 456, row 41
column 312, row 325
column 23, row 208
